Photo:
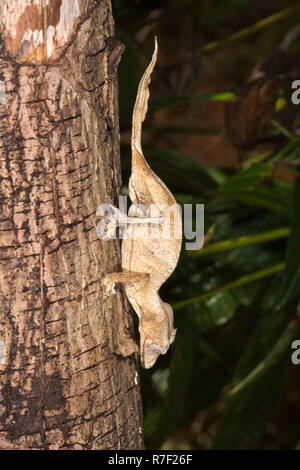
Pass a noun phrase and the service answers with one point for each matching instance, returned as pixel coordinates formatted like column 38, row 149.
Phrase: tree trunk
column 64, row 380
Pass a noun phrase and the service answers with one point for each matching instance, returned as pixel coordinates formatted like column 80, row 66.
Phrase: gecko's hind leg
column 111, row 279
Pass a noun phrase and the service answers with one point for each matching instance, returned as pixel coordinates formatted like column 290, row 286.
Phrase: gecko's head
column 156, row 337
column 150, row 353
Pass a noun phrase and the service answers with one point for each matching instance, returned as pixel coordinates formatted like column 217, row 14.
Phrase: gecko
column 151, row 242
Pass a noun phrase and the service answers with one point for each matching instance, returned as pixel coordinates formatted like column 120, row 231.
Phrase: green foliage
column 235, row 301
column 257, row 186
column 290, row 287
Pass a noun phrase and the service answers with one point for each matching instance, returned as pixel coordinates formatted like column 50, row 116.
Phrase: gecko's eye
column 156, row 349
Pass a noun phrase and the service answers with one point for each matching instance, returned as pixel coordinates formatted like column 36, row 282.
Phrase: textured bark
column 64, row 383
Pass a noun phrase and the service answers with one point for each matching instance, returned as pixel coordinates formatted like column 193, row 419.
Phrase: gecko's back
column 154, row 249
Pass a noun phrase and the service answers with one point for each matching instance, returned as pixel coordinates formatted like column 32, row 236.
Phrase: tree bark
column 64, row 380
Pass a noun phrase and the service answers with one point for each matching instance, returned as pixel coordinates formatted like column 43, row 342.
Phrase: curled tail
column 140, row 109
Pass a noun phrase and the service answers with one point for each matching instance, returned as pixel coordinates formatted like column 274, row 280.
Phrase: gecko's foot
column 112, row 217
column 108, row 285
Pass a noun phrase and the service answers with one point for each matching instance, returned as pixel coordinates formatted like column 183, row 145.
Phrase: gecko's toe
column 106, row 229
column 111, row 219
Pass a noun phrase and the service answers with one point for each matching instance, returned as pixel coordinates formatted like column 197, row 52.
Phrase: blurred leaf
column 290, row 287
column 238, row 282
column 260, row 370
column 282, row 129
column 297, row 446
column 176, row 100
column 244, row 420
column 220, row 308
column 247, row 180
column 251, row 29
column 280, row 104
column 250, row 112
column 162, row 419
column 210, row 373
column 288, row 152
column 252, row 400
column 256, row 186
column 247, row 412
column 271, row 358
column 184, row 130
column 227, row 245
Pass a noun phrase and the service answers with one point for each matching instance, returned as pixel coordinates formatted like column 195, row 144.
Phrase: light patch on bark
column 2, row 352
column 38, row 30
column 2, row 92
column 50, row 39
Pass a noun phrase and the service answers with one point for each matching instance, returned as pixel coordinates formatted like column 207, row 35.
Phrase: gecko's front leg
column 112, row 218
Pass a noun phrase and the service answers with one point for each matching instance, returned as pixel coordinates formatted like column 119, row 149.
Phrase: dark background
column 222, row 131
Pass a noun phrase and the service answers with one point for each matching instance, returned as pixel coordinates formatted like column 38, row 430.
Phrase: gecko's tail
column 141, row 107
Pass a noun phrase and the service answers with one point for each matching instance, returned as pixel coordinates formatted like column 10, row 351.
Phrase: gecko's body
column 151, row 246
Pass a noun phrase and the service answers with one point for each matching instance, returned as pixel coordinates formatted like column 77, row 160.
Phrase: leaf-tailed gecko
column 151, row 241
